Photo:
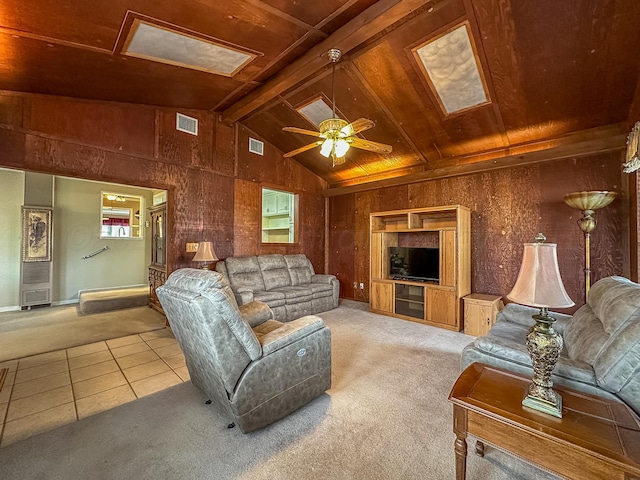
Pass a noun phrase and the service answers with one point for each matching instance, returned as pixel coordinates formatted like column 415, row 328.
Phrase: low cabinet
column 480, row 312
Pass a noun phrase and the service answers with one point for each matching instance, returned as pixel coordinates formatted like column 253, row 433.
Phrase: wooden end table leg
column 460, row 445
column 479, row 448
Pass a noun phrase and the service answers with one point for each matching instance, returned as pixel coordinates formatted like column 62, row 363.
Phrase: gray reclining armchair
column 255, row 368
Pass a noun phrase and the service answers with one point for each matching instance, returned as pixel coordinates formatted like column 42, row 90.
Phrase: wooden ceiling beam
column 369, row 23
column 600, row 140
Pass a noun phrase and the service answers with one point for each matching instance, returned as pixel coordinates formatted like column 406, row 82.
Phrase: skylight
column 316, row 111
column 160, row 44
column 450, row 65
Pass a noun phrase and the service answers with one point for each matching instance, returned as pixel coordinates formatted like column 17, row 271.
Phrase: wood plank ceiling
column 562, row 77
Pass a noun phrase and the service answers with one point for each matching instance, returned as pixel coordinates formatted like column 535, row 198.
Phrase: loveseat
column 601, row 353
column 286, row 283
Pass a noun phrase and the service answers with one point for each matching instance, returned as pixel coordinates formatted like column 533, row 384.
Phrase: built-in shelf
column 432, row 303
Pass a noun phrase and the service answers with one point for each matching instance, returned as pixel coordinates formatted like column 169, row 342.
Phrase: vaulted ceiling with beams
column 558, row 78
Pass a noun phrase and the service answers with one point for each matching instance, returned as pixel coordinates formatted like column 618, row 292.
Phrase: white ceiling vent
column 256, row 146
column 186, row 124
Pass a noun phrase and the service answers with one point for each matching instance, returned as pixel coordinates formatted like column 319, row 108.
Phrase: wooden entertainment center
column 432, row 303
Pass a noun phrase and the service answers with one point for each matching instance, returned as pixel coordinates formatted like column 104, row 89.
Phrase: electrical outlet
column 361, row 286
column 192, row 247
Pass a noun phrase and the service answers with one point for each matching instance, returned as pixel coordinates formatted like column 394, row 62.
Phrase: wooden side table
column 597, row 438
column 480, row 312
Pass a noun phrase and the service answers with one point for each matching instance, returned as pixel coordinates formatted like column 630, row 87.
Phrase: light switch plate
column 192, row 247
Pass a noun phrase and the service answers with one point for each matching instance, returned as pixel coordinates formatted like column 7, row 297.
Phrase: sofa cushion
column 615, row 301
column 320, row 290
column 274, row 271
column 273, row 299
column 300, row 269
column 297, row 294
column 507, row 341
column 244, row 272
column 584, row 335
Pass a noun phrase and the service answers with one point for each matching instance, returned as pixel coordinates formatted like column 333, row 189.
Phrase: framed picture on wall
column 36, row 234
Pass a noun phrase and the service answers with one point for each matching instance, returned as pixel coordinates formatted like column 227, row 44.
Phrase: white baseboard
column 9, row 309
column 53, row 304
column 65, row 302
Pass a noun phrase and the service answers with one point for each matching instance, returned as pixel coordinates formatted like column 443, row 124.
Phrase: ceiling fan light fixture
column 327, row 147
column 338, row 133
column 341, row 147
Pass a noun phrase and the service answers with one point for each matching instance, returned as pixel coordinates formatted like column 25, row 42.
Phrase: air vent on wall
column 186, row 124
column 256, row 146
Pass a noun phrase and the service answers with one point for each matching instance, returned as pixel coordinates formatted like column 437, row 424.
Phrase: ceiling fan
column 337, row 134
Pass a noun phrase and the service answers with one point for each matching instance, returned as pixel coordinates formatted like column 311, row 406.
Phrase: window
column 278, row 216
column 121, row 215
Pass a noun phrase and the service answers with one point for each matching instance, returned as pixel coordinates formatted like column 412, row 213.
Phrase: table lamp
column 205, row 254
column 539, row 285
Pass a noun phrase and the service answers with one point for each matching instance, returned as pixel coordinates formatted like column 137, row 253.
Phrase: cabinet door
column 382, row 297
column 477, row 318
column 269, row 204
column 441, row 306
column 448, row 258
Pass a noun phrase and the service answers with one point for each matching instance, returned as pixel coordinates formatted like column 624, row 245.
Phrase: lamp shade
column 539, row 283
column 205, row 253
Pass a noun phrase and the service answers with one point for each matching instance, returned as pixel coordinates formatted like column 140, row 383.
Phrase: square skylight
column 452, row 70
column 316, row 111
column 160, row 44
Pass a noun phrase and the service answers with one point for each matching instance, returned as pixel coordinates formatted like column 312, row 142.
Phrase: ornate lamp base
column 534, row 399
column 544, row 346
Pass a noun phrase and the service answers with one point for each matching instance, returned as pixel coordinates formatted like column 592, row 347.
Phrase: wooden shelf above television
column 441, row 303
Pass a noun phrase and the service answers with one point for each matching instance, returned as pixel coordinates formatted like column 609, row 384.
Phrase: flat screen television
column 412, row 263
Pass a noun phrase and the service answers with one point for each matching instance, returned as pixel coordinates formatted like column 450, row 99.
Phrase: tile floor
column 46, row 391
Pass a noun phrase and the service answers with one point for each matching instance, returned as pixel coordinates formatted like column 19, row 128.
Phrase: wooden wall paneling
column 176, row 146
column 601, row 172
column 312, row 230
column 365, row 203
column 224, row 149
column 510, row 206
column 11, row 110
column 217, row 212
column 246, row 221
column 342, row 218
column 121, row 128
column 14, row 148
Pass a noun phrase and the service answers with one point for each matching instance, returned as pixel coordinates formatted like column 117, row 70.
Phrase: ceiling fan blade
column 302, row 149
column 371, row 146
column 357, row 126
column 301, row 130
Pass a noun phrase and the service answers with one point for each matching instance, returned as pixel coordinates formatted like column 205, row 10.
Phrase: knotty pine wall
column 213, row 189
column 508, row 208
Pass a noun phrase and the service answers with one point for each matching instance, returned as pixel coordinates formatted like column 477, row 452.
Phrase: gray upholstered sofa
column 256, row 369
column 287, row 283
column 601, row 352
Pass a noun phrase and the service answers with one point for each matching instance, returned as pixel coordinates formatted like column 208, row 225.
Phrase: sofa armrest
column 521, row 315
column 319, row 278
column 290, row 332
column 243, row 295
column 256, row 313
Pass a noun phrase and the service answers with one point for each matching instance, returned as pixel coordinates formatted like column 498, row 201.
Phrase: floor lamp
column 588, row 202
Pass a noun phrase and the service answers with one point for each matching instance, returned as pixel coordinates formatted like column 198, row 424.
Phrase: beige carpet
column 386, row 417
column 46, row 329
